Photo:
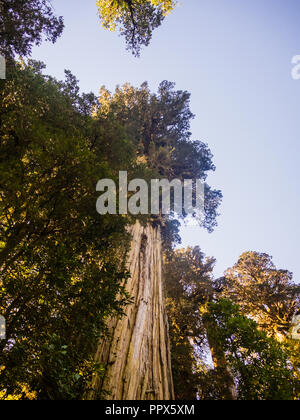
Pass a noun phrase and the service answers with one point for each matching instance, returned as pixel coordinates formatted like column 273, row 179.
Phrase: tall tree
column 191, row 289
column 24, row 23
column 247, row 362
column 159, row 126
column 263, row 292
column 188, row 288
column 159, row 123
column 62, row 266
column 136, row 19
column 260, row 365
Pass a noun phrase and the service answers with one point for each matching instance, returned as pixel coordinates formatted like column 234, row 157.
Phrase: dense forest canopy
column 24, row 23
column 241, row 327
column 160, row 128
column 63, row 268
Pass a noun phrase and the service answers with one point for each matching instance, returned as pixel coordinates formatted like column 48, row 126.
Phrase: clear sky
column 235, row 58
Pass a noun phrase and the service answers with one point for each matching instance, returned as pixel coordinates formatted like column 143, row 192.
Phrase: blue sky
column 235, row 59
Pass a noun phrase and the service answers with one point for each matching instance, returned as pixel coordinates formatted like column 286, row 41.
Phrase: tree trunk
column 2, row 68
column 229, row 390
column 137, row 354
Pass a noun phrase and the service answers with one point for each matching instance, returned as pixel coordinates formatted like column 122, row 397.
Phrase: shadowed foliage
column 24, row 23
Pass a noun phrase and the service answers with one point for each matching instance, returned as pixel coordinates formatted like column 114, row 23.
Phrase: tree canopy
column 159, row 124
column 135, row 19
column 232, row 326
column 263, row 292
column 62, row 265
column 24, row 23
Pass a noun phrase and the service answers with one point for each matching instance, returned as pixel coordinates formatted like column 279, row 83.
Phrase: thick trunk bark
column 137, row 355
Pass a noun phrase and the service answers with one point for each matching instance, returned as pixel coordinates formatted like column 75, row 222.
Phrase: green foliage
column 62, row 265
column 259, row 364
column 188, row 277
column 24, row 24
column 159, row 125
column 263, row 292
column 170, row 234
column 293, row 347
column 249, row 363
column 136, row 19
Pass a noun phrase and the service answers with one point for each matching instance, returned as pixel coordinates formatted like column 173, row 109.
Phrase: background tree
column 246, row 361
column 186, row 328
column 263, row 292
column 190, row 289
column 136, row 19
column 260, row 365
column 24, row 23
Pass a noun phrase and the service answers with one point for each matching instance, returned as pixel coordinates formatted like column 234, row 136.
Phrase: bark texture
column 137, row 355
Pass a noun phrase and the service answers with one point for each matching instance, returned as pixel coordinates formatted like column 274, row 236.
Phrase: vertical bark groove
column 137, row 355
